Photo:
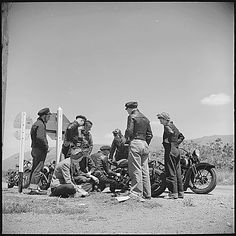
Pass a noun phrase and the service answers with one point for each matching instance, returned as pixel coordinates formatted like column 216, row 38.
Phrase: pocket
column 146, row 150
column 174, row 151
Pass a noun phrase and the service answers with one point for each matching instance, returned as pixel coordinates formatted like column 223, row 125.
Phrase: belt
column 140, row 139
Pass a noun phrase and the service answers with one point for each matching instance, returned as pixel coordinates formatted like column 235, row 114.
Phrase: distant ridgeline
column 217, row 149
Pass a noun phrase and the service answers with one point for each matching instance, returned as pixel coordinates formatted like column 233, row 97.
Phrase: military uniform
column 39, row 147
column 102, row 171
column 62, row 181
column 118, row 148
column 73, row 137
column 139, row 134
column 172, row 137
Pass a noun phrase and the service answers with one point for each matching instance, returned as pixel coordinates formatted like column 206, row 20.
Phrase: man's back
column 98, row 159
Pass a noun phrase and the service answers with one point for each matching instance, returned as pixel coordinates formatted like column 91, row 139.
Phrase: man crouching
column 63, row 183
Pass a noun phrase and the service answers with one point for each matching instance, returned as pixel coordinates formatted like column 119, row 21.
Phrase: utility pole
column 5, row 7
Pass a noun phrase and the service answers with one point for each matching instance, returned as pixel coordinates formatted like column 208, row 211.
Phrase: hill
column 11, row 161
column 155, row 145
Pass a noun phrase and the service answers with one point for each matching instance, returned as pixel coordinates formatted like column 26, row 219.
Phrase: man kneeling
column 63, row 183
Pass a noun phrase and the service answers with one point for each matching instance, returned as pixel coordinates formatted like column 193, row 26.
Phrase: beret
column 105, row 147
column 131, row 105
column 163, row 115
column 80, row 116
column 44, row 111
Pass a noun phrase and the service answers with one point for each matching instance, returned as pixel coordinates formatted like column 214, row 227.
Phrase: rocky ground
column 101, row 213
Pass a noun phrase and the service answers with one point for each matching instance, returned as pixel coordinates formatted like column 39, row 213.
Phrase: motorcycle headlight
column 45, row 169
column 196, row 153
column 184, row 161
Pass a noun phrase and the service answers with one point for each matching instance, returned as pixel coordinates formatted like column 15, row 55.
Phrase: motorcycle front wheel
column 10, row 185
column 158, row 184
column 204, row 181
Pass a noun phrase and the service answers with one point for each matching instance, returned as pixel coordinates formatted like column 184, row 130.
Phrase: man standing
column 87, row 140
column 118, row 146
column 171, row 140
column 39, row 149
column 72, row 134
column 139, row 135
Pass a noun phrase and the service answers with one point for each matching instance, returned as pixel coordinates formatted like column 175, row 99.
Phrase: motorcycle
column 46, row 175
column 200, row 177
column 121, row 167
column 13, row 175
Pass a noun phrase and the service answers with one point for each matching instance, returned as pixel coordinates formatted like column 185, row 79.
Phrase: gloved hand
column 96, row 180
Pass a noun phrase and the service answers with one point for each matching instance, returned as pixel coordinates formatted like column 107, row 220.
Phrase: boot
column 181, row 195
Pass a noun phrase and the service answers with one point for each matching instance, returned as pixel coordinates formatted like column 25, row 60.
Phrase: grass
column 43, row 206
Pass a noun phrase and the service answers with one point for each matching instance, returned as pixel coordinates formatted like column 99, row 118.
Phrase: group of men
column 83, row 172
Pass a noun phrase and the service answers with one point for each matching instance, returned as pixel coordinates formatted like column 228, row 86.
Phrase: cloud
column 216, row 99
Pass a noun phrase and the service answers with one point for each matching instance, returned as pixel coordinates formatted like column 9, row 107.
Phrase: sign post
column 22, row 148
column 59, row 134
column 55, row 128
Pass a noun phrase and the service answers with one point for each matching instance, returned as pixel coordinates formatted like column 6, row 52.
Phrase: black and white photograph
column 118, row 118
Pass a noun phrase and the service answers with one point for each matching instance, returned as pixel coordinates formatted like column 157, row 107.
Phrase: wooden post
column 59, row 134
column 5, row 7
column 22, row 150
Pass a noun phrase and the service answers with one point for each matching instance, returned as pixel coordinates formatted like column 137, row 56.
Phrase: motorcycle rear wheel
column 204, row 181
column 10, row 185
column 26, row 180
column 158, row 186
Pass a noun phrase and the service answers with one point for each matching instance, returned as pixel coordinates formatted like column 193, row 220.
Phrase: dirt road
column 101, row 213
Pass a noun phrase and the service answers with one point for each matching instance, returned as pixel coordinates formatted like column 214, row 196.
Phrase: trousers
column 104, row 180
column 138, row 168
column 63, row 190
column 173, row 170
column 39, row 157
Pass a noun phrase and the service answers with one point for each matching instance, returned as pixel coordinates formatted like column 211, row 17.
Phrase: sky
column 91, row 58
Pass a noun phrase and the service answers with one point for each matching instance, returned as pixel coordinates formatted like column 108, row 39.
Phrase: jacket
column 172, row 134
column 84, row 166
column 101, row 162
column 138, row 127
column 62, row 173
column 87, row 141
column 119, row 149
column 72, row 133
column 38, row 135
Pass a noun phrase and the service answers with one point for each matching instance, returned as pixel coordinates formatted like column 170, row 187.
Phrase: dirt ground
column 101, row 213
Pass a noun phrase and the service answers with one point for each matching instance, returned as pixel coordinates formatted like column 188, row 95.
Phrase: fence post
column 22, row 150
column 59, row 134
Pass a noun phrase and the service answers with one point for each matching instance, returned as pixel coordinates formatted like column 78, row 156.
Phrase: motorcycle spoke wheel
column 204, row 181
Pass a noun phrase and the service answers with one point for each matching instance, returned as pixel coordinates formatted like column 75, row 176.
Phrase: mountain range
column 155, row 145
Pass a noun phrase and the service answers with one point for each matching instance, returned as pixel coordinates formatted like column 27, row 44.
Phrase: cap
column 81, row 116
column 44, row 111
column 163, row 115
column 105, row 147
column 89, row 122
column 131, row 105
column 116, row 131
